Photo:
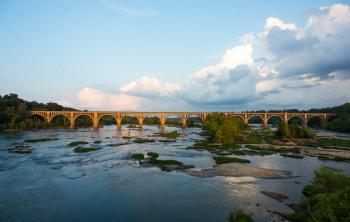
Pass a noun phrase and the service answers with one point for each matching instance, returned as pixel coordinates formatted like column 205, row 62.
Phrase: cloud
column 89, row 98
column 283, row 65
column 128, row 11
column 146, row 86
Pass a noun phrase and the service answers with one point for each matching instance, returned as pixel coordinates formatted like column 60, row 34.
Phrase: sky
column 176, row 55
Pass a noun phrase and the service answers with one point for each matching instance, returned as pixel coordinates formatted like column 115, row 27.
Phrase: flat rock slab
column 274, row 195
column 240, row 170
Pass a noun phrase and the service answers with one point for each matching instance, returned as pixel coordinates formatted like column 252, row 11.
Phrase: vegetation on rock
column 221, row 129
column 76, row 143
column 224, row 159
column 326, row 198
column 240, row 216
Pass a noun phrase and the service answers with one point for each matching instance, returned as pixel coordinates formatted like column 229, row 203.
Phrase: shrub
column 240, row 216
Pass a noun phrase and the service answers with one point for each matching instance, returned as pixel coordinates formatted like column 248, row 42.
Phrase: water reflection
column 55, row 184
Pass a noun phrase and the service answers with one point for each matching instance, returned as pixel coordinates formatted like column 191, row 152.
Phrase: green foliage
column 153, row 155
column 293, row 131
column 172, row 134
column 84, row 149
column 76, row 143
column 39, row 140
column 137, row 156
column 240, row 216
column 340, row 123
column 13, row 113
column 327, row 197
column 157, row 162
column 221, row 129
column 224, row 159
column 329, row 142
column 141, row 140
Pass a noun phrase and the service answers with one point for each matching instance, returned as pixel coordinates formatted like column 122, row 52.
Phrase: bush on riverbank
column 240, row 216
column 326, row 198
column 221, row 129
column 293, row 131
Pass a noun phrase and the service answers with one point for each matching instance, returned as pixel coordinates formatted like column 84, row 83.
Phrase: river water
column 55, row 184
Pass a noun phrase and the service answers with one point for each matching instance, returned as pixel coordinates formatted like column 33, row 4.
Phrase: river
column 55, row 184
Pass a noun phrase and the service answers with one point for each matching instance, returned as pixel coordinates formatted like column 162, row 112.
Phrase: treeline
column 13, row 112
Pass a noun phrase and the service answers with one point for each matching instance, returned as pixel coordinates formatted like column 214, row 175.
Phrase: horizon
column 195, row 56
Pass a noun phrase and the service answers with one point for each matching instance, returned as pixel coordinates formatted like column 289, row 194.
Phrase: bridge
column 96, row 116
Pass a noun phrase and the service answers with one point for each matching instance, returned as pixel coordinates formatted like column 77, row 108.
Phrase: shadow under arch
column 60, row 120
column 315, row 122
column 296, row 120
column 151, row 120
column 83, row 121
column 107, row 120
column 255, row 121
column 172, row 120
column 274, row 121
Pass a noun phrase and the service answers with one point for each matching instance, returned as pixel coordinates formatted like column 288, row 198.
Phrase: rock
column 240, row 170
column 224, row 152
column 297, row 208
column 274, row 195
column 292, row 155
column 20, row 149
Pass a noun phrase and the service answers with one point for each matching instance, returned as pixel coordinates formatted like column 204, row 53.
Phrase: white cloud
column 282, row 65
column 239, row 55
column 272, row 22
column 93, row 99
column 149, row 87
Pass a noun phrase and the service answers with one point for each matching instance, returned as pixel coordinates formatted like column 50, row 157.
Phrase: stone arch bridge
column 183, row 116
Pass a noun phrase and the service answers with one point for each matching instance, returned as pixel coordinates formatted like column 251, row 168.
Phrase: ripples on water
column 55, row 184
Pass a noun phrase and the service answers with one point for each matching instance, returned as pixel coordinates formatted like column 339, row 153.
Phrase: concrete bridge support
column 119, row 120
column 140, row 120
column 162, row 120
column 184, row 122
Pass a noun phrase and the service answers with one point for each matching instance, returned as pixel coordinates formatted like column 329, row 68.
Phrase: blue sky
column 108, row 54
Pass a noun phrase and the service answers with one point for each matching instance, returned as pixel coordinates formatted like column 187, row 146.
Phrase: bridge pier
column 162, row 120
column 140, row 120
column 184, row 122
column 119, row 120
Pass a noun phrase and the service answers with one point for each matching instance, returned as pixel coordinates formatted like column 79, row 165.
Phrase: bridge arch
column 83, row 120
column 275, row 120
column 60, row 120
column 255, row 119
column 315, row 121
column 39, row 116
column 109, row 118
column 296, row 120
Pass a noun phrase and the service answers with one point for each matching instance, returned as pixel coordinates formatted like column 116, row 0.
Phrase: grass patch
column 222, row 160
column 76, row 143
column 240, row 216
column 84, row 149
column 39, row 140
column 273, row 149
column 206, row 145
column 328, row 142
column 172, row 134
column 141, row 140
column 137, row 156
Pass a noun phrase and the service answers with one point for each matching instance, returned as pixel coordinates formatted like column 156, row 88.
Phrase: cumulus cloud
column 282, row 65
column 146, row 86
column 89, row 98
